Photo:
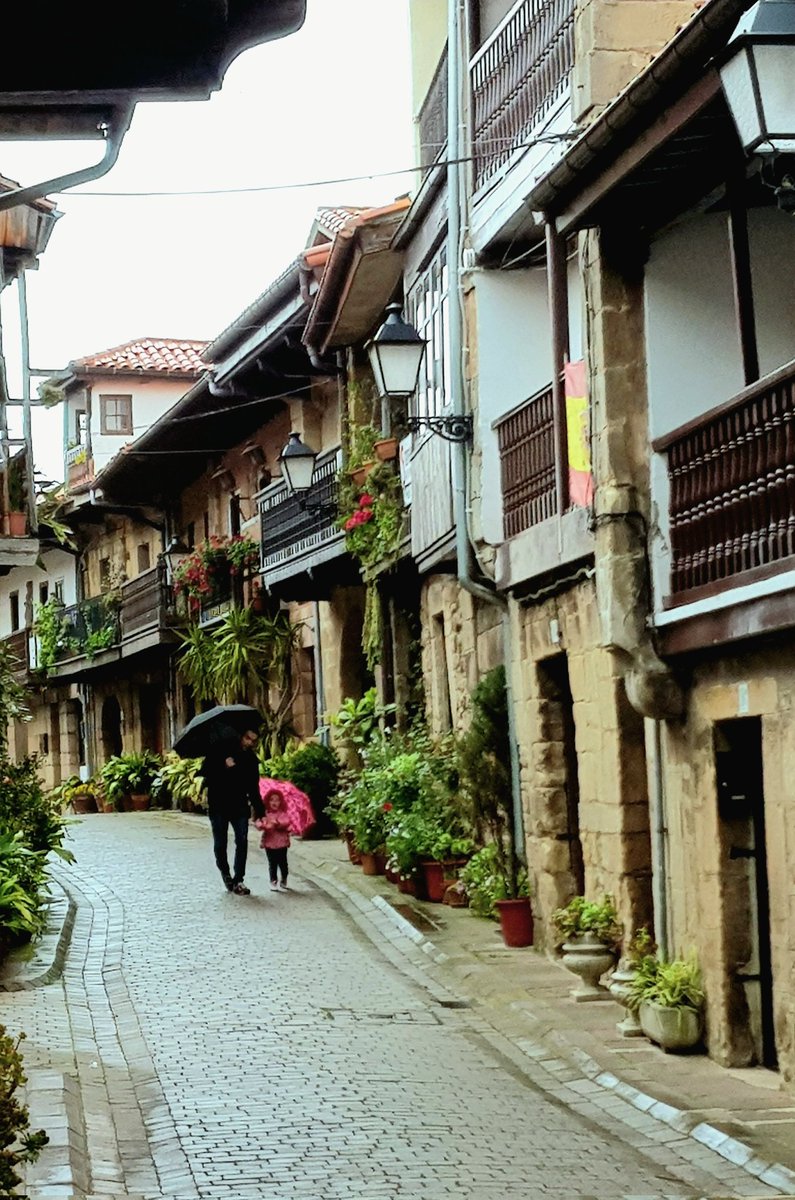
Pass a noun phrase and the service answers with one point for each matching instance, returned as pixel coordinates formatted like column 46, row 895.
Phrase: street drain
column 414, row 917
column 409, row 1016
column 455, row 1003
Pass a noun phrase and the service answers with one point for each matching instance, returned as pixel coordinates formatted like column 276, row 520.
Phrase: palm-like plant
column 197, row 661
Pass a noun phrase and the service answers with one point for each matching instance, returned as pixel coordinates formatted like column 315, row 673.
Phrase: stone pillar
column 613, row 41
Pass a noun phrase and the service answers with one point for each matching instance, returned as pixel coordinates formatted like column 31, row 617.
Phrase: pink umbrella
column 297, row 803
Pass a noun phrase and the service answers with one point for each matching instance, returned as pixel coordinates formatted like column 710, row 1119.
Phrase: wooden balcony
column 432, row 119
column 517, row 78
column 526, row 439
column 79, row 466
column 296, row 539
column 16, row 645
column 732, row 491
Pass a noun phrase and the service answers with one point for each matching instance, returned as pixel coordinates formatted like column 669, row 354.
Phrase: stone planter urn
column 588, row 958
column 619, row 990
column 671, row 1028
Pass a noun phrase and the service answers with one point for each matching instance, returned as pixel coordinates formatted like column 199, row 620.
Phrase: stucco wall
column 58, row 565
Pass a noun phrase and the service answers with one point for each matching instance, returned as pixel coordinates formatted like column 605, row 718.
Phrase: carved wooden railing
column 432, row 119
column 526, row 440
column 732, row 482
column 287, row 529
column 517, row 77
column 146, row 601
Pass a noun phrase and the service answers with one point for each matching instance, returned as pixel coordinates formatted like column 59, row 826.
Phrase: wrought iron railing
column 432, row 119
column 526, row 440
column 517, row 77
column 88, row 628
column 732, row 486
column 289, row 528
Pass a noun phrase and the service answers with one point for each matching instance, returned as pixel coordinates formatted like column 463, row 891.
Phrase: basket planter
column 588, row 957
column 83, row 804
column 386, row 449
column 139, row 802
column 671, row 1028
column 516, row 921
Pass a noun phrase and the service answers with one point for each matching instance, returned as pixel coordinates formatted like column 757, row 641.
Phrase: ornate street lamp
column 298, row 463
column 758, row 75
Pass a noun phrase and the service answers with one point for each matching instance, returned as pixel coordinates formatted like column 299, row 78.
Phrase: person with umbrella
column 226, row 736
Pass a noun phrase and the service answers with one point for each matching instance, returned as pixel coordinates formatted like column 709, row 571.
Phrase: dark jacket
column 232, row 791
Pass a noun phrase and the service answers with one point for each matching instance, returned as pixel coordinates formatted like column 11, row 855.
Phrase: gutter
column 277, row 292
column 695, row 44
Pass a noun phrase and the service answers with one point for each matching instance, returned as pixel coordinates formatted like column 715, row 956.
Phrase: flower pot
column 588, row 958
column 107, row 806
column 353, row 853
column 455, row 895
column 83, row 804
column 406, row 885
column 390, row 875
column 619, row 990
column 360, row 474
column 671, row 1028
column 380, row 862
column 140, row 802
column 369, row 863
column 386, row 449
column 435, row 885
column 516, row 921
column 16, row 524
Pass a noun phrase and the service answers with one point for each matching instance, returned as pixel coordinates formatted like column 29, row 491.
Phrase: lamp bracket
column 454, row 428
column 317, row 508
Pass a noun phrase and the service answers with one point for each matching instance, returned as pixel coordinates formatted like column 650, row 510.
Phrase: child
column 275, row 826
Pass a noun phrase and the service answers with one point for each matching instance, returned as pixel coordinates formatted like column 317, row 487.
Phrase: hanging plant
column 201, row 572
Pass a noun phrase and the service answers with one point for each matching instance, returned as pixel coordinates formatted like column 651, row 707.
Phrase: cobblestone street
column 222, row 1046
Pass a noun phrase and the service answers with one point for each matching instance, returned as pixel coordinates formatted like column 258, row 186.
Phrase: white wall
column 514, row 361
column 151, row 399
column 58, row 565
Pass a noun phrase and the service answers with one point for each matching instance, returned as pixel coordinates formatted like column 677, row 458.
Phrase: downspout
column 460, row 450
column 27, row 430
column 320, row 680
column 659, row 839
column 113, row 136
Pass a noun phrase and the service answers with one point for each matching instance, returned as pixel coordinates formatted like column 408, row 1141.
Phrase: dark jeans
column 220, row 823
column 277, row 860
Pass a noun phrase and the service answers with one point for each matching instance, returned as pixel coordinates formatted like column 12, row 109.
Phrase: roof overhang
column 669, row 126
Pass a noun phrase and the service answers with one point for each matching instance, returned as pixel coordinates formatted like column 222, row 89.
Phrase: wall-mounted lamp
column 757, row 74
column 225, row 479
column 396, row 352
column 298, row 465
column 255, row 453
column 175, row 546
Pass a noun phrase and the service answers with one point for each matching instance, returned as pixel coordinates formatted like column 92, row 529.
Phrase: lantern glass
column 775, row 67
column 298, row 464
column 396, row 366
column 756, row 74
column 738, row 79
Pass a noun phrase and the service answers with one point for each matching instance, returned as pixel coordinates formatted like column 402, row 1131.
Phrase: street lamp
column 757, row 77
column 396, row 352
column 298, row 463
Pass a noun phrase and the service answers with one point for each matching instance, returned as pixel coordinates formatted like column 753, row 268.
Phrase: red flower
column 365, row 500
column 387, row 807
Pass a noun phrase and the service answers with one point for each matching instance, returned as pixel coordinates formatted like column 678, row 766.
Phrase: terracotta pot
column 140, row 803
column 390, row 875
column 516, row 921
column 84, row 804
column 386, row 449
column 435, row 885
column 369, row 864
column 17, row 524
column 108, row 806
column 380, row 862
column 406, row 885
column 360, row 474
column 353, row 853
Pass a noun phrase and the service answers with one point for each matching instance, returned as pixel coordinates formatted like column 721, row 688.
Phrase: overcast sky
column 328, row 102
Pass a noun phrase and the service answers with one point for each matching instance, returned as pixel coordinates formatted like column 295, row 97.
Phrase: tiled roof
column 164, row 356
column 333, row 219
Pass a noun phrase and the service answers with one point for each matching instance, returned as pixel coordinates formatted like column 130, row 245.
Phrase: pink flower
column 365, row 500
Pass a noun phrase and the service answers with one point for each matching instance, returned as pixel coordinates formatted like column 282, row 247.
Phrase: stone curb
column 47, row 961
column 734, row 1151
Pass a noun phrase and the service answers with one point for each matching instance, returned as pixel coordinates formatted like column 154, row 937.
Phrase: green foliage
column 588, row 916
column 17, row 491
column 196, row 663
column 675, row 984
column 49, row 512
column 21, row 883
column 357, row 722
column 641, row 946
column 177, row 781
column 13, row 703
column 130, row 774
column 52, row 631
column 362, row 445
column 25, row 807
column 49, row 393
column 484, row 763
column 64, row 793
column 204, row 571
column 484, row 882
column 17, row 1144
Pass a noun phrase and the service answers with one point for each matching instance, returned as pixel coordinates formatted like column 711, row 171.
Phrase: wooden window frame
column 127, row 431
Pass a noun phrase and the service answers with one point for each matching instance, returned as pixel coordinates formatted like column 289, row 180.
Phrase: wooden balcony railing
column 517, row 77
column 79, row 466
column 526, row 439
column 288, row 529
column 732, row 486
column 432, row 119
column 146, row 601
column 16, row 645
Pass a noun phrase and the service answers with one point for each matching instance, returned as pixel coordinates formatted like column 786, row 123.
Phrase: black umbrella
column 223, row 721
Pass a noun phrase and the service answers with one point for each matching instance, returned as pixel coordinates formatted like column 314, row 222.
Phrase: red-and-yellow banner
column 578, row 435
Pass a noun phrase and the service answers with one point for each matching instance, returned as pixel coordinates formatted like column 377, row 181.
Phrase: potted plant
column 78, row 794
column 589, row 931
column 128, row 778
column 207, row 570
column 178, row 784
column 669, row 1000
column 16, row 517
column 362, row 457
column 640, row 947
column 386, row 449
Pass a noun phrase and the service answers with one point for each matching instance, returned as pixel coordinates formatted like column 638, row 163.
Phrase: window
column 104, row 574
column 13, row 602
column 143, row 557
column 81, row 429
column 44, row 592
column 234, row 516
column 57, row 588
column 427, row 310
column 190, row 535
column 115, row 414
column 206, row 526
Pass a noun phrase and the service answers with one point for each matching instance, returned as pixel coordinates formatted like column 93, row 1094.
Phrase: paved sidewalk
column 745, row 1115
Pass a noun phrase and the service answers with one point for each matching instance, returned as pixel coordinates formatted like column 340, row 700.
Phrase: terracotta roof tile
column 333, row 219
column 166, row 356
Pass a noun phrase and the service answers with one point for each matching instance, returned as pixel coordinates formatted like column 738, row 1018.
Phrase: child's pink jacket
column 275, row 830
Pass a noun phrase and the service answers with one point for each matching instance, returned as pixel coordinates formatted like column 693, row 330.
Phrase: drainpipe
column 27, row 431
column 659, row 839
column 320, row 681
column 112, row 134
column 460, row 450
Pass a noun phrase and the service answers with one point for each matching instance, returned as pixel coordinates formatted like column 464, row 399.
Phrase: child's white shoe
column 274, row 886
column 283, row 887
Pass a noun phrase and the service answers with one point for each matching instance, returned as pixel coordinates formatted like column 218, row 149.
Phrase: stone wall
column 709, row 909
column 582, row 762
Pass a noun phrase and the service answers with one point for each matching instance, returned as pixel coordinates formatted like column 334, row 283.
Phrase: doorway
column 741, row 809
column 111, row 728
column 558, row 730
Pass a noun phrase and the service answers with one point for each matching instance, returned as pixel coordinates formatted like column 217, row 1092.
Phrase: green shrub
column 178, row 781
column 17, row 1144
column 313, row 768
column 130, row 774
column 484, row 881
column 24, row 806
column 588, row 916
column 675, row 984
